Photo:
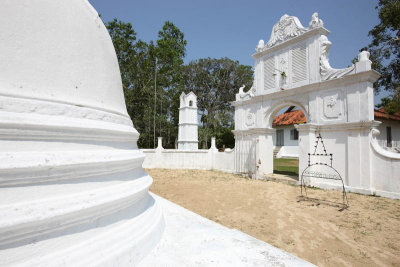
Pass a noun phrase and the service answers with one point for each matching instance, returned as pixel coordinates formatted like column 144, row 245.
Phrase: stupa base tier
column 73, row 191
column 119, row 239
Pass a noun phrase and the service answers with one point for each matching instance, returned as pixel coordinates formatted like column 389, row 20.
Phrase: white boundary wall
column 203, row 159
column 385, row 168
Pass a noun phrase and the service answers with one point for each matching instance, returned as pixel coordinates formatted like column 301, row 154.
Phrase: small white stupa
column 187, row 134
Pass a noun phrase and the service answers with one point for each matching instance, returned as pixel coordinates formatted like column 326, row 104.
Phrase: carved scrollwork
column 331, row 102
column 287, row 28
column 375, row 132
column 332, row 105
column 241, row 96
column 250, row 119
column 327, row 72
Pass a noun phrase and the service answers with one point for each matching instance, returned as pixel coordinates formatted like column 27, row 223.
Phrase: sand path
column 366, row 234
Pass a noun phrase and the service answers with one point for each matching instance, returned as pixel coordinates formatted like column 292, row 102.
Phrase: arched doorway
column 286, row 140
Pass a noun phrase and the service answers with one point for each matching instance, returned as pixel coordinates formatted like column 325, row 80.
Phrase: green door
column 279, row 138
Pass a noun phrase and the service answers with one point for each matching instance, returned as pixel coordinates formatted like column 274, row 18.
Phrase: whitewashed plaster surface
column 60, row 56
column 72, row 189
column 292, row 69
column 203, row 159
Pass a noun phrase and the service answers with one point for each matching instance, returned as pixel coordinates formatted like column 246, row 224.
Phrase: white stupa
column 187, row 133
column 72, row 189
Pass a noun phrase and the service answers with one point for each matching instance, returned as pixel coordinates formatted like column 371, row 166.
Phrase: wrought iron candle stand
column 308, row 172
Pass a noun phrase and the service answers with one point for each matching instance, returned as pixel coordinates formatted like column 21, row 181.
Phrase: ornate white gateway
column 292, row 69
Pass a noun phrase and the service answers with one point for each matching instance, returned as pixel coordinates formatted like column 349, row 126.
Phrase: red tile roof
column 382, row 114
column 290, row 117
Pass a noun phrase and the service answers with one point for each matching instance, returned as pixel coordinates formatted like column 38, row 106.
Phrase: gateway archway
column 292, row 69
column 279, row 106
column 286, row 139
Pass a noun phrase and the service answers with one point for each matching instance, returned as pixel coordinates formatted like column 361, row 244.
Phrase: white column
column 159, row 143
column 213, row 145
column 265, row 155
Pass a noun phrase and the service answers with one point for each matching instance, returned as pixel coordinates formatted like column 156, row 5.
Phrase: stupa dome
column 59, row 51
column 72, row 188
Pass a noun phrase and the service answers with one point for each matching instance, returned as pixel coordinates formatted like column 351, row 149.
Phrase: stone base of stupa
column 192, row 240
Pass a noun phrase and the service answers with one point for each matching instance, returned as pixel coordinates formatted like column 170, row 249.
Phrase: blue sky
column 222, row 28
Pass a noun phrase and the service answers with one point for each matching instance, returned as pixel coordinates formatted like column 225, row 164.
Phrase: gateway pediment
column 287, row 28
column 296, row 56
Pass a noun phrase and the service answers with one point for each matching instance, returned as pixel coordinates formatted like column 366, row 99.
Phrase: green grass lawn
column 286, row 166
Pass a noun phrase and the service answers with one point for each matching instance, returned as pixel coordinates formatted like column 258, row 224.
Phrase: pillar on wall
column 306, row 139
column 213, row 145
column 265, row 152
column 187, row 133
column 159, row 144
column 349, row 145
column 359, row 169
column 254, row 151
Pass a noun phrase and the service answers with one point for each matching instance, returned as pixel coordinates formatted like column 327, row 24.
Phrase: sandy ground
column 366, row 234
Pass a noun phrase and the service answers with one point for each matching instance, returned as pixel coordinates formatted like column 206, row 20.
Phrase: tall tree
column 136, row 62
column 171, row 50
column 123, row 37
column 385, row 52
column 215, row 82
column 140, row 63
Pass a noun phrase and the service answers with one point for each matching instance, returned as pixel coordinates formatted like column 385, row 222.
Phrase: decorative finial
column 260, row 45
column 241, row 89
column 315, row 21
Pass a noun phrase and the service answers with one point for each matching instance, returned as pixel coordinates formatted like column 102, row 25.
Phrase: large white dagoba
column 72, row 189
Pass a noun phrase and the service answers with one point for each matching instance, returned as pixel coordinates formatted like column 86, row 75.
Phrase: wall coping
column 254, row 131
column 337, row 126
column 380, row 150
